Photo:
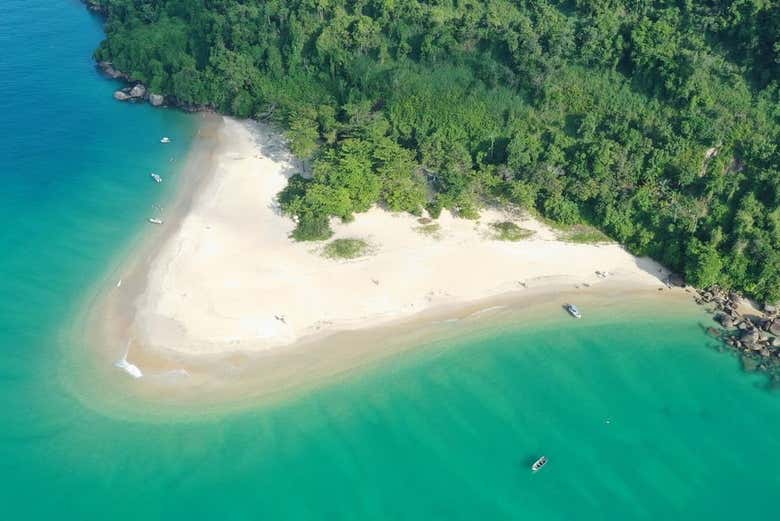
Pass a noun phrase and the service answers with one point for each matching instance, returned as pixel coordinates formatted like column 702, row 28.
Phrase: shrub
column 509, row 231
column 346, row 249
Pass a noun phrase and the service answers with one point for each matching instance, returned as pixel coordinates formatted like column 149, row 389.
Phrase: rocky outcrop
column 156, row 100
column 135, row 93
column 109, row 70
column 756, row 335
column 138, row 91
column 774, row 328
column 94, row 5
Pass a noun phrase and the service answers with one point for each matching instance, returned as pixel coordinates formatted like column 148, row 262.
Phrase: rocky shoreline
column 136, row 91
column 753, row 333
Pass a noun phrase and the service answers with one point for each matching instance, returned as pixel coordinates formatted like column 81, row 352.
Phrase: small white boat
column 165, row 140
column 538, row 464
column 573, row 311
column 155, row 221
column 157, row 178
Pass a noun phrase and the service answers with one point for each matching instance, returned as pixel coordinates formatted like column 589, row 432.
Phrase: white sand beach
column 228, row 277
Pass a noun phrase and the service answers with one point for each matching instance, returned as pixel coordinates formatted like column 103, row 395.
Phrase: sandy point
column 224, row 279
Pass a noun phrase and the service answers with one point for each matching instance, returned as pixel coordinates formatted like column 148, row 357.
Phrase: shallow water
column 640, row 418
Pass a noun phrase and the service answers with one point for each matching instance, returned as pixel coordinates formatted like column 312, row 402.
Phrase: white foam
column 486, row 310
column 131, row 369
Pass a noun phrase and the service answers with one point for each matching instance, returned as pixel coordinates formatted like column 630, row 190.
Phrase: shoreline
column 114, row 321
column 176, row 385
column 109, row 306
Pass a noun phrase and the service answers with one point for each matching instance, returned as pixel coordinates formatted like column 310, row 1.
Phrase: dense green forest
column 656, row 121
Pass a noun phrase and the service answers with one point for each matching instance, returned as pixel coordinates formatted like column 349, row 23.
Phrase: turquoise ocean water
column 639, row 417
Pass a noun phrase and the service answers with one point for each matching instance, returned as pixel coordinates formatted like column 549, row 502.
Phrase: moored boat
column 573, row 311
column 165, row 139
column 538, row 464
column 155, row 221
column 157, row 178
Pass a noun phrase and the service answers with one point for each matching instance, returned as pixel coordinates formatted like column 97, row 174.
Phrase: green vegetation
column 586, row 111
column 509, row 231
column 346, row 249
column 583, row 233
column 429, row 228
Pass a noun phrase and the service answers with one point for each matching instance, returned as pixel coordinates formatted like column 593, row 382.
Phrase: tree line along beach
column 362, row 155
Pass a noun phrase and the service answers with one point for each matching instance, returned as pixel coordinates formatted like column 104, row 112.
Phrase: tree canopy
column 655, row 120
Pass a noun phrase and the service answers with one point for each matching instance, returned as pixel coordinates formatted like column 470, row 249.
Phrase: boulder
column 109, row 70
column 749, row 338
column 769, row 308
column 156, row 99
column 94, row 5
column 726, row 321
column 138, row 91
column 775, row 327
column 121, row 96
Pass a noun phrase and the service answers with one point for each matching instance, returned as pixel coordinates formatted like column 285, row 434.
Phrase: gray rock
column 121, row 96
column 156, row 99
column 138, row 91
column 109, row 70
column 770, row 308
column 749, row 336
column 775, row 327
